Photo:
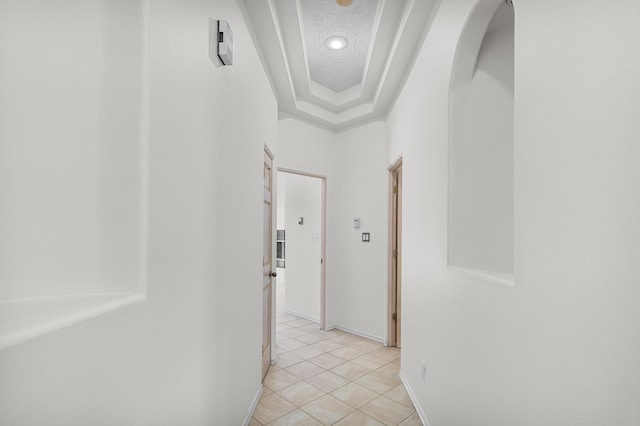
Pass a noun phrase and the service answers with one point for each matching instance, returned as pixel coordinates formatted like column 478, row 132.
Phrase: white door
column 267, row 271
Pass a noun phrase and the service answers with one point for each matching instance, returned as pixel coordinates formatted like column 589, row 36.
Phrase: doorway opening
column 395, row 255
column 300, row 245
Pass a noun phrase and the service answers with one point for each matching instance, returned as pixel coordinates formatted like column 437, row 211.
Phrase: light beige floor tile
column 327, row 361
column 390, row 354
column 327, row 335
column 272, row 407
column 378, row 382
column 358, row 419
column 266, row 391
column 310, row 338
column 391, row 369
column 412, row 420
column 296, row 418
column 326, row 346
column 386, row 411
column 369, row 361
column 254, row 422
column 365, row 345
column 354, row 394
column 290, row 344
column 284, row 318
column 305, row 369
column 327, row 409
column 302, row 322
column 307, row 352
column 287, row 360
column 279, row 380
column 293, row 332
column 312, row 328
column 301, row 393
column 350, row 371
column 346, row 339
column 347, row 353
column 327, row 381
column 399, row 394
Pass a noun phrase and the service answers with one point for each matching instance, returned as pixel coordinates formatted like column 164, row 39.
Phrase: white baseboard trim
column 359, row 333
column 254, row 404
column 416, row 404
column 303, row 316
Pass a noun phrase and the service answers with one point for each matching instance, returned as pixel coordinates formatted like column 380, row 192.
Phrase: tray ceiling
column 344, row 88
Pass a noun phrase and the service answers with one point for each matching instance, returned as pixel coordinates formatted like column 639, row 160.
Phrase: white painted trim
column 361, row 334
column 414, row 400
column 253, row 406
column 303, row 316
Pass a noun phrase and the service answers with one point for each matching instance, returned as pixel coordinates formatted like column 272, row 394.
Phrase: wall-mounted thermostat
column 356, row 223
column 225, row 43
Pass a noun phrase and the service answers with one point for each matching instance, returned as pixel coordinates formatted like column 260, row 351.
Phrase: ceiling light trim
column 283, row 53
column 374, row 33
column 304, row 45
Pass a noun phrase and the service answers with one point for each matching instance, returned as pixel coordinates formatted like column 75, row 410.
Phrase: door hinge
column 395, row 253
column 395, row 189
column 394, row 317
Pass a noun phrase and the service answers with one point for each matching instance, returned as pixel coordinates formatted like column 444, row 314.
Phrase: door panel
column 267, row 266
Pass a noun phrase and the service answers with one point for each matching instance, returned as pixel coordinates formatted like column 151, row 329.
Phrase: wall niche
column 481, row 164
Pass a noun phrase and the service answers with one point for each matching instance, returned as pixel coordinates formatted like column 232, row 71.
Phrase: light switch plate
column 366, row 237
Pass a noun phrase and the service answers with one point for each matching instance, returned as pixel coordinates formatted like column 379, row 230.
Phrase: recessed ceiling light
column 336, row 42
column 344, row 3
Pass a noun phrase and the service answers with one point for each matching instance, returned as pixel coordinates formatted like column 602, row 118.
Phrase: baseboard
column 416, row 404
column 254, row 404
column 360, row 333
column 303, row 316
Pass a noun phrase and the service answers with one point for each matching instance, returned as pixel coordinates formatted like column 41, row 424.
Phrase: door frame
column 395, row 231
column 323, row 239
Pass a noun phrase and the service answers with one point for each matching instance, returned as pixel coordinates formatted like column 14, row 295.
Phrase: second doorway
column 300, row 249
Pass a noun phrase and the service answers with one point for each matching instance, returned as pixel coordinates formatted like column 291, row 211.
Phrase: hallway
column 332, row 378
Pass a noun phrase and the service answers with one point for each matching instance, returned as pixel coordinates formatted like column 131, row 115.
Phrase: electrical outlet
column 423, row 371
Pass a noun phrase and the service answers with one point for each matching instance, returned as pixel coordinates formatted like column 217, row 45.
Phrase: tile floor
column 332, row 378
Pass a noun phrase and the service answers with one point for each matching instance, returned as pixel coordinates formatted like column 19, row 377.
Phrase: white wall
column 303, row 243
column 560, row 347
column 70, row 165
column 360, row 280
column 355, row 167
column 175, row 358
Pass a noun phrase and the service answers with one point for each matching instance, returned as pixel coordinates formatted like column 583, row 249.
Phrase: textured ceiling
column 343, row 89
column 321, row 19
